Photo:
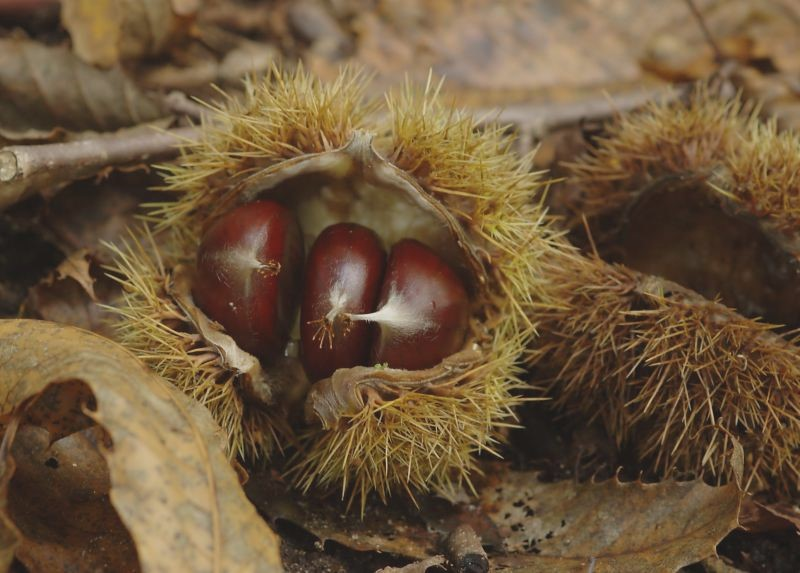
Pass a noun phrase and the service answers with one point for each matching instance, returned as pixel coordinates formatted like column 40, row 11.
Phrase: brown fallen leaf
column 245, row 59
column 171, row 484
column 385, row 529
column 609, row 526
column 58, row 499
column 86, row 214
column 45, row 88
column 437, row 561
column 73, row 294
column 77, row 267
column 26, row 256
column 106, row 31
column 743, row 30
column 760, row 517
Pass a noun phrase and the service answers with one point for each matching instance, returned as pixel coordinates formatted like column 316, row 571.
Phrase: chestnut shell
column 249, row 268
column 422, row 289
column 344, row 267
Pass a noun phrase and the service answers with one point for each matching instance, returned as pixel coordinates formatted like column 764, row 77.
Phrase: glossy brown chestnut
column 423, row 311
column 249, row 270
column 343, row 275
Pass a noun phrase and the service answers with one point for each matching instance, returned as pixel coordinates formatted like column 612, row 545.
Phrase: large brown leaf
column 58, row 499
column 106, row 31
column 44, row 88
column 170, row 482
column 609, row 526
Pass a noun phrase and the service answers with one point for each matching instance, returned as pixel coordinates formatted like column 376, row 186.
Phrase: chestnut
column 249, row 269
column 423, row 311
column 343, row 275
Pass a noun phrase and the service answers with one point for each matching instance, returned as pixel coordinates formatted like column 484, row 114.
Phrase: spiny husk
column 720, row 143
column 416, row 441
column 762, row 173
column 414, row 438
column 681, row 138
column 283, row 116
column 154, row 326
column 675, row 378
column 492, row 191
column 417, row 438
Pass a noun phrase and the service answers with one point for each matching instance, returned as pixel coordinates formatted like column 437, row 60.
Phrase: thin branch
column 26, row 169
column 532, row 121
column 706, row 32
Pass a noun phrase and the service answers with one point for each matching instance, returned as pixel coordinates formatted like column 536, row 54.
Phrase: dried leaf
column 743, row 30
column 86, row 214
column 106, row 31
column 58, row 498
column 437, row 561
column 26, row 256
column 73, row 294
column 44, row 88
column 170, row 481
column 609, row 526
column 759, row 517
column 384, row 529
column 76, row 267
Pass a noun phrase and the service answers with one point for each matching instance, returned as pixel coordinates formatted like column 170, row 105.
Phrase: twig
column 706, row 32
column 26, row 169
column 532, row 121
column 180, row 104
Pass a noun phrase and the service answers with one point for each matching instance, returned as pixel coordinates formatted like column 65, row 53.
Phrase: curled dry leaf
column 58, row 499
column 73, row 294
column 245, row 59
column 45, row 88
column 759, row 517
column 171, row 483
column 106, row 31
column 608, row 526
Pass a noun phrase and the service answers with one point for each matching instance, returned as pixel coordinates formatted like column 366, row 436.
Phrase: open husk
column 407, row 167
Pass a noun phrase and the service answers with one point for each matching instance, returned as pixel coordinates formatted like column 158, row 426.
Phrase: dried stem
column 25, row 169
column 706, row 32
